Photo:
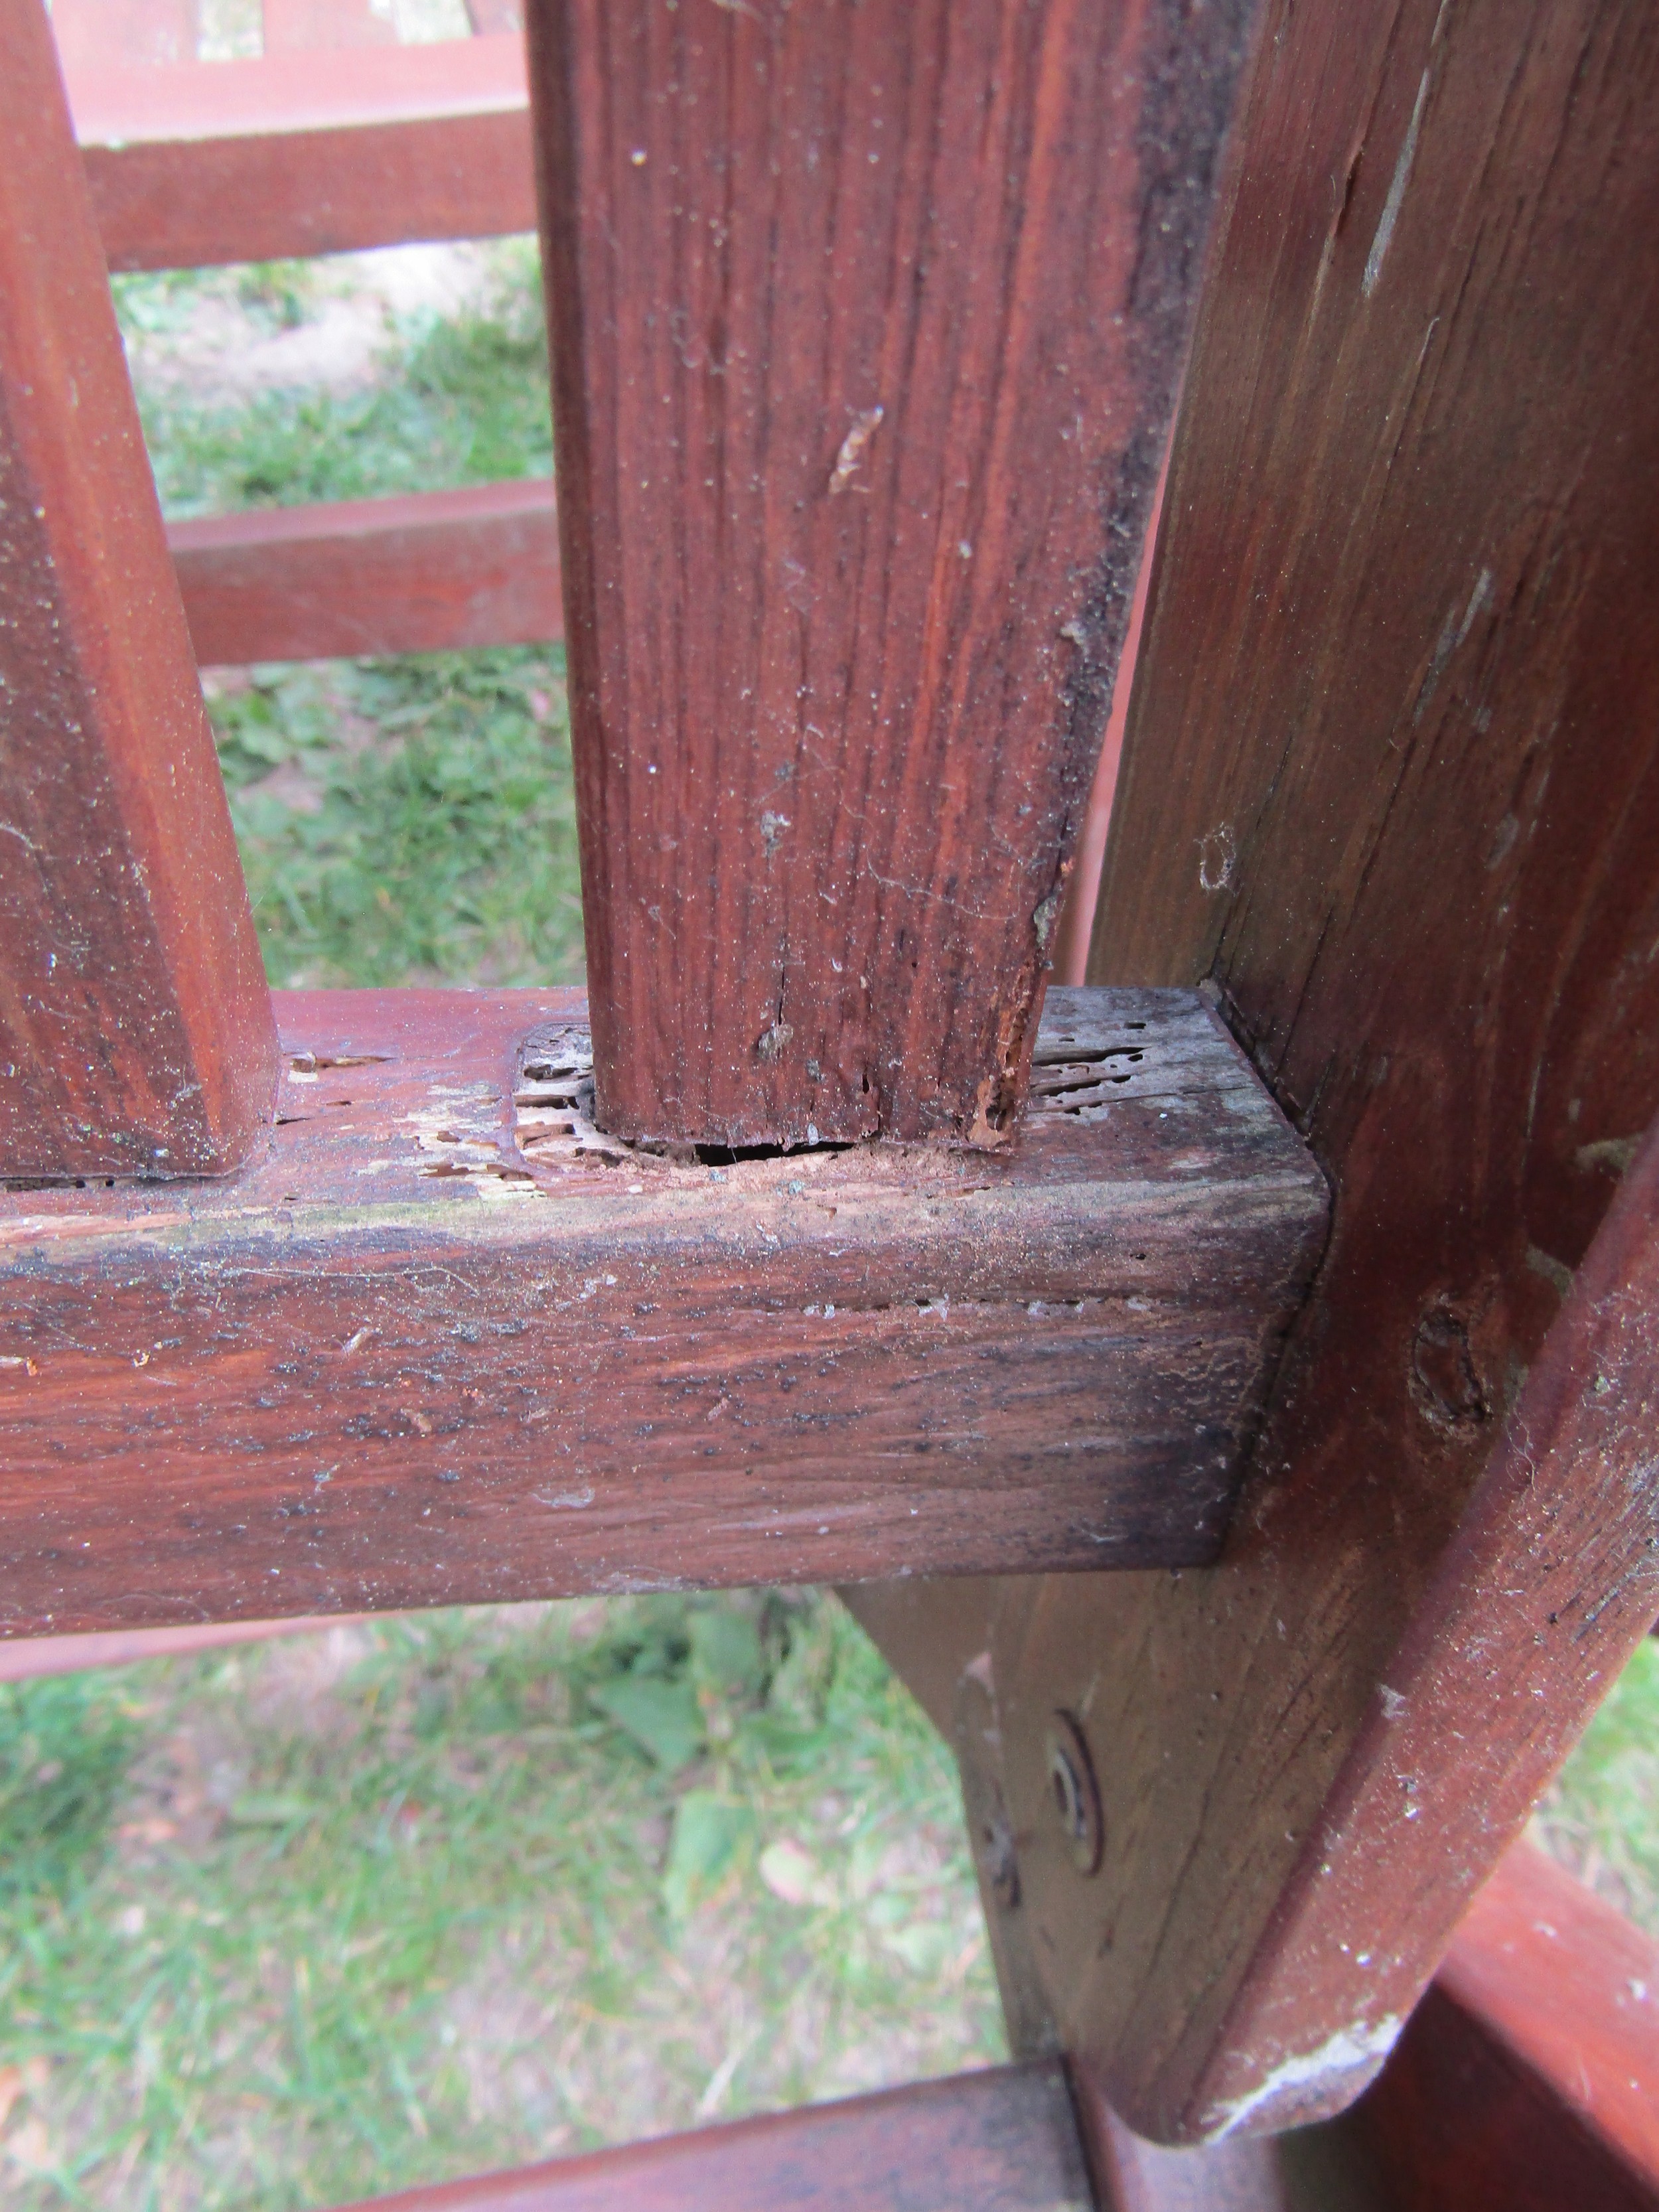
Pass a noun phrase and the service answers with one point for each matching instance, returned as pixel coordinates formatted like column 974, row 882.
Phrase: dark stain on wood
column 440, row 1346
column 865, row 323
column 1000, row 2141
column 1392, row 782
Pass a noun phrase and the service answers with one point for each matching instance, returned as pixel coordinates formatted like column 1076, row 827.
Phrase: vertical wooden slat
column 136, row 1034
column 866, row 320
column 1391, row 781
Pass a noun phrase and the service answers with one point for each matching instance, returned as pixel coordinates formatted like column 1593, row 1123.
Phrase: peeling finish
column 1322, row 2080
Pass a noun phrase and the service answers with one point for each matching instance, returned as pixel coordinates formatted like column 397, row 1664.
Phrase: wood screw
column 1076, row 1794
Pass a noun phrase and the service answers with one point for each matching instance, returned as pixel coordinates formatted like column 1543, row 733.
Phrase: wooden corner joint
column 446, row 1341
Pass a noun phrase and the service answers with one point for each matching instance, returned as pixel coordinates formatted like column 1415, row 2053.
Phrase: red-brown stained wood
column 250, row 161
column 136, row 1036
column 1000, row 2141
column 108, row 33
column 1392, row 781
column 866, row 320
column 23, row 1658
column 1528, row 2079
column 430, row 572
column 438, row 1348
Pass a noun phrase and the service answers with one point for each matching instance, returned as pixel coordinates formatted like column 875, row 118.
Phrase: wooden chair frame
column 1300, row 1271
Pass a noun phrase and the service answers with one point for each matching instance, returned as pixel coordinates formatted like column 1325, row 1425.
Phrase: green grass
column 407, row 820
column 1601, row 1819
column 331, row 1916
column 462, row 399
column 400, row 821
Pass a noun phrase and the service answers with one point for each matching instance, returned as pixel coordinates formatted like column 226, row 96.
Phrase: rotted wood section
column 1000, row 2141
column 445, row 1342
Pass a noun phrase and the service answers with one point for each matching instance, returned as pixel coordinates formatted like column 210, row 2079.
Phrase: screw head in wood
column 1075, row 1794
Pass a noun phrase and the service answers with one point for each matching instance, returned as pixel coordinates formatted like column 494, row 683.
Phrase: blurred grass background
column 401, row 821
column 311, row 1920
column 325, row 1917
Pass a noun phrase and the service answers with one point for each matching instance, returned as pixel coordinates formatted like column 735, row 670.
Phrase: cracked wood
column 445, row 1343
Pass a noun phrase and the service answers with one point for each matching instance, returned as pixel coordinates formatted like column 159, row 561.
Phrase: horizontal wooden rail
column 1000, row 2141
column 445, row 1343
column 24, row 1657
column 204, row 162
column 439, row 571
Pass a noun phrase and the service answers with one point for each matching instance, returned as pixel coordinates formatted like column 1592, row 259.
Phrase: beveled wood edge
column 1002, row 2135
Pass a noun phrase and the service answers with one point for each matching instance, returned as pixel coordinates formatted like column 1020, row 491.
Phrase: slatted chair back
column 814, row 1242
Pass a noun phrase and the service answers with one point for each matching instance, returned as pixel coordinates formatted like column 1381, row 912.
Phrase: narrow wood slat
column 1391, row 780
column 254, row 161
column 438, row 1348
column 1000, row 2141
column 1527, row 2078
column 428, row 573
column 24, row 1658
column 866, row 322
column 113, row 33
column 136, row 1034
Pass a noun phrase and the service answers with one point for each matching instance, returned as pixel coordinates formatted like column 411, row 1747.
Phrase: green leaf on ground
column 662, row 1718
column 710, row 1832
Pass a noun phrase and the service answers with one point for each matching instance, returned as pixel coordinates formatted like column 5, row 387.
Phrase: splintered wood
column 448, row 1343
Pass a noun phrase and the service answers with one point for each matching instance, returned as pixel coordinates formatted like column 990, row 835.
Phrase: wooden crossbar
column 1526, row 2076
column 445, row 1342
column 258, row 160
column 813, row 1247
column 428, row 572
column 1000, row 2141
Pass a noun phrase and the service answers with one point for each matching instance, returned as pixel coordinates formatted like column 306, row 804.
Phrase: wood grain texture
column 1000, row 2141
column 1390, row 780
column 134, row 1032
column 1527, row 2079
column 430, row 572
column 435, row 1347
column 253, row 160
column 865, row 321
